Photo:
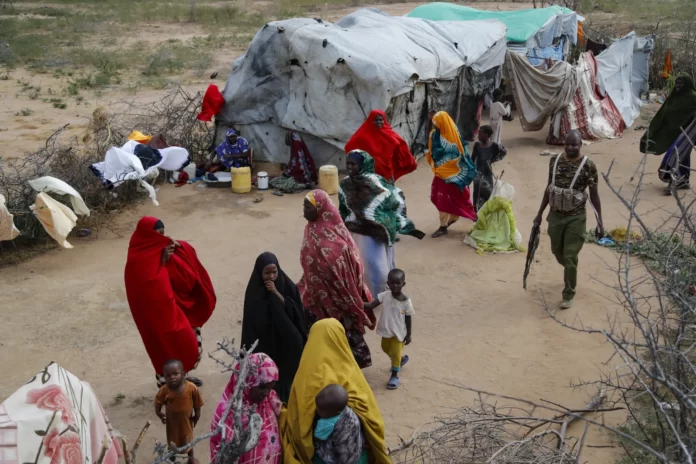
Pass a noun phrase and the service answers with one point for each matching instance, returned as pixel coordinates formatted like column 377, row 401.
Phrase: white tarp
column 323, row 79
column 56, row 218
column 621, row 78
column 121, row 164
column 8, row 231
column 52, row 185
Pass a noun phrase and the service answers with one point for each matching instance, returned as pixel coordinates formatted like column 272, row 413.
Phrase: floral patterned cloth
column 301, row 165
column 55, row 419
column 332, row 284
column 268, row 450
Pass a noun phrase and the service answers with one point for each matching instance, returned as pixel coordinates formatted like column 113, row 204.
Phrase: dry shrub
column 70, row 159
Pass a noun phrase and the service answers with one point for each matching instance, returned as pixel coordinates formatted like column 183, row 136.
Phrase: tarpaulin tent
column 537, row 33
column 322, row 79
column 622, row 72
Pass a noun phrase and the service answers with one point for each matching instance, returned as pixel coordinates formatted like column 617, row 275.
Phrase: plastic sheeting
column 536, row 27
column 322, row 79
column 52, row 185
column 8, row 231
column 622, row 72
column 120, row 165
column 56, row 218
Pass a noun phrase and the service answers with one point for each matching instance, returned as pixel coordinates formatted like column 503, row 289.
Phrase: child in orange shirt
column 182, row 402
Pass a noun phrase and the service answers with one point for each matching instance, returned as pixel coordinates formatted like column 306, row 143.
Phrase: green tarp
column 521, row 24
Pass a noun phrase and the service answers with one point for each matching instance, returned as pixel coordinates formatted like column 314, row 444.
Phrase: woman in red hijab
column 170, row 296
column 392, row 156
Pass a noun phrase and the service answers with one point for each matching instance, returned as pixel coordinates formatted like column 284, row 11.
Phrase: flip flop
column 393, row 383
column 195, row 380
column 404, row 360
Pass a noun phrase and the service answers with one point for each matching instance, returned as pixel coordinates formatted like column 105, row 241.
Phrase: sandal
column 404, row 360
column 393, row 383
column 439, row 232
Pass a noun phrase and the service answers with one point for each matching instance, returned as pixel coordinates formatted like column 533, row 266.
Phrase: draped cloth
column 393, row 158
column 326, row 360
column 301, row 164
column 447, row 154
column 669, row 120
column 369, row 205
column 213, row 101
column 167, row 301
column 279, row 327
column 267, row 451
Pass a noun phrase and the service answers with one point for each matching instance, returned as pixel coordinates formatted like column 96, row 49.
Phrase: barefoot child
column 394, row 324
column 182, row 402
column 338, row 435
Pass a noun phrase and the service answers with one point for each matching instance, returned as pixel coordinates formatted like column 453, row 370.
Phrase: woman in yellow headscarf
column 453, row 170
column 327, row 360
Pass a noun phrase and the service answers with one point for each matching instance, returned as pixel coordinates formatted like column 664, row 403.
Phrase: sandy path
column 474, row 325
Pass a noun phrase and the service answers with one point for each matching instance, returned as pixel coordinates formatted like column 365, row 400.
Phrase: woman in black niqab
column 274, row 315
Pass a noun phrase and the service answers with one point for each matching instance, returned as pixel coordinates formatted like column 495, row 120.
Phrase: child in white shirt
column 394, row 324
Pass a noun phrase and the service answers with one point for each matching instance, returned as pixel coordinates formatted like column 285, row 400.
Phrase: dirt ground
column 475, row 325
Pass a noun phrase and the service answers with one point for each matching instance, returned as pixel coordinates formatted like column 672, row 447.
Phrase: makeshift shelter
column 322, row 79
column 537, row 33
column 566, row 94
column 622, row 73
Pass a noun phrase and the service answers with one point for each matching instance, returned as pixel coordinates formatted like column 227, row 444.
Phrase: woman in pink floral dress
column 332, row 284
column 259, row 392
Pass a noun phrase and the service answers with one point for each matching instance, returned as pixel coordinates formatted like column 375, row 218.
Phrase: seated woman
column 329, row 361
column 393, row 158
column 273, row 315
column 170, row 296
column 327, row 243
column 258, row 392
column 234, row 152
column 301, row 172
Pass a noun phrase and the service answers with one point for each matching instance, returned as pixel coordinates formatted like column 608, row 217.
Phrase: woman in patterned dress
column 332, row 284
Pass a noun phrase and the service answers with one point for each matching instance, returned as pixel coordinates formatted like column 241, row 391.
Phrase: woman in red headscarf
column 392, row 156
column 170, row 296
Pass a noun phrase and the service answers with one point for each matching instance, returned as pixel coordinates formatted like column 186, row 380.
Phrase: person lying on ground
column 327, row 359
column 258, row 393
column 274, row 315
column 570, row 176
column 170, row 296
column 182, row 404
column 338, row 436
column 485, row 153
column 394, row 324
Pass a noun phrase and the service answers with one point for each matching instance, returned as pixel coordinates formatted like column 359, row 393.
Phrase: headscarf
column 392, row 155
column 328, row 360
column 674, row 115
column 279, row 327
column 167, row 302
column 301, row 165
column 447, row 153
column 369, row 205
column 263, row 371
column 332, row 282
column 228, row 148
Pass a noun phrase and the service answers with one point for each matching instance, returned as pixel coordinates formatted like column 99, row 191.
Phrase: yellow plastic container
column 328, row 179
column 241, row 179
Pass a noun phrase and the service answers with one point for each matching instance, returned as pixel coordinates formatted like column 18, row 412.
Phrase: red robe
column 390, row 151
column 167, row 302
